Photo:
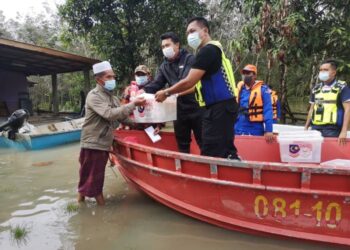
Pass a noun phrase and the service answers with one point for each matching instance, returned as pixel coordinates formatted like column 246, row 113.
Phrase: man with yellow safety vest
column 218, row 90
column 255, row 115
column 330, row 104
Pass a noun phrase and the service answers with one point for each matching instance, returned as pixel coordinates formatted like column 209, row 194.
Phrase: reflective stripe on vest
column 325, row 107
column 221, row 86
column 255, row 106
column 198, row 94
column 274, row 99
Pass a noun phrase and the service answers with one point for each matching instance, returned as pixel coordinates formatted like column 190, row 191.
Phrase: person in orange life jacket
column 218, row 91
column 255, row 115
column 142, row 78
column 276, row 105
column 330, row 104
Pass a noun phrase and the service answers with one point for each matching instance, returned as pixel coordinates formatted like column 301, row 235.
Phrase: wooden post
column 54, row 93
column 86, row 81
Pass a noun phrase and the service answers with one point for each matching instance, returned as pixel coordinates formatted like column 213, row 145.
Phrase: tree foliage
column 127, row 31
column 294, row 35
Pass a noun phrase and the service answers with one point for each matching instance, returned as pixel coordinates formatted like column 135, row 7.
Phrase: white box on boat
column 156, row 112
column 300, row 146
column 336, row 163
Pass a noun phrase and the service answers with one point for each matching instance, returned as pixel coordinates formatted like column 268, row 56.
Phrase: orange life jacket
column 255, row 107
column 274, row 99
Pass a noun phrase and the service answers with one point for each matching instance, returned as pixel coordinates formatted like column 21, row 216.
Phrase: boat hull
column 301, row 201
column 38, row 142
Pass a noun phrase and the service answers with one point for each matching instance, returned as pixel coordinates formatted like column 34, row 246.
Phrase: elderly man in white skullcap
column 102, row 109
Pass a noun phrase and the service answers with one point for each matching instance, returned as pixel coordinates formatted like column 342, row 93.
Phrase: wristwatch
column 167, row 94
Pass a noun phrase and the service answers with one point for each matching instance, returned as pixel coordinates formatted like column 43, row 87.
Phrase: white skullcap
column 100, row 67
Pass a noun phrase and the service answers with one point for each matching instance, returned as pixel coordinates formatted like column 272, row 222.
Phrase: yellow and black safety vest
column 221, row 85
column 325, row 106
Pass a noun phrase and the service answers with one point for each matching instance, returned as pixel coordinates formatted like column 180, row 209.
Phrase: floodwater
column 36, row 188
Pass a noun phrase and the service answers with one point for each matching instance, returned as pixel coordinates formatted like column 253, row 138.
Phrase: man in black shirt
column 176, row 65
column 214, row 71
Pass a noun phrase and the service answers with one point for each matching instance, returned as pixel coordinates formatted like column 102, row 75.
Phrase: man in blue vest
column 218, row 90
column 330, row 104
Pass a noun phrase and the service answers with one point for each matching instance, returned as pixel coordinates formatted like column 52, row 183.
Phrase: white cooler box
column 300, row 146
column 156, row 112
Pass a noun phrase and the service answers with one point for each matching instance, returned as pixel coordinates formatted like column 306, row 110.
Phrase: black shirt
column 171, row 72
column 208, row 59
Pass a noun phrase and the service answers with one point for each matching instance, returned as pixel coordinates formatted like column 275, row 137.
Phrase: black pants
column 184, row 125
column 218, row 133
column 329, row 132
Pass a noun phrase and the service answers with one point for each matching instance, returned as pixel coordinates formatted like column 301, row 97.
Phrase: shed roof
column 34, row 60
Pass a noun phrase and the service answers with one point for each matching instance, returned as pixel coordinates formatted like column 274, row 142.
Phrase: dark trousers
column 92, row 171
column 184, row 125
column 329, row 132
column 218, row 133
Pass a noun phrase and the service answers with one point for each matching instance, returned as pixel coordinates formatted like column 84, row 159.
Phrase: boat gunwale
column 53, row 133
column 260, row 165
column 237, row 184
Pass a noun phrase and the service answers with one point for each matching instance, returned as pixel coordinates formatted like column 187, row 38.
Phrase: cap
column 142, row 68
column 100, row 67
column 251, row 68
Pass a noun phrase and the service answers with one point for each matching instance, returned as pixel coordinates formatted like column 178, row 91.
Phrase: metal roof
column 34, row 60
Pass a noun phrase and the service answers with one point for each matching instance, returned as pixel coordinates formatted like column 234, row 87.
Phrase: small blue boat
column 45, row 136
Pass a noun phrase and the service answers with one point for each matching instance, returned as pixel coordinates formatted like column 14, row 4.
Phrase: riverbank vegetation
column 19, row 234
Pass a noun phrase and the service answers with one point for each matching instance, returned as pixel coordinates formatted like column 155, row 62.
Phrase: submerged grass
column 72, row 207
column 19, row 234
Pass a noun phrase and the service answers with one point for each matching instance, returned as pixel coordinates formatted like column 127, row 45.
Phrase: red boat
column 258, row 195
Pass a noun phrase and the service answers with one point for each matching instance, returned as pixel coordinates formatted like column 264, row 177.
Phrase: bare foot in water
column 100, row 200
column 81, row 198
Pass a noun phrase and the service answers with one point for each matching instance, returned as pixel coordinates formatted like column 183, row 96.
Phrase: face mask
column 323, row 76
column 141, row 80
column 109, row 85
column 194, row 40
column 248, row 79
column 169, row 52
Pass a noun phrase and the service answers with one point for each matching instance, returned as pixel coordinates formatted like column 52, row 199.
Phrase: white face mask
column 194, row 40
column 169, row 52
column 110, row 85
column 323, row 76
column 141, row 80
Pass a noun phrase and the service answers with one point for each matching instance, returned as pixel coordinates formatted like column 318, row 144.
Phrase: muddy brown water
column 37, row 186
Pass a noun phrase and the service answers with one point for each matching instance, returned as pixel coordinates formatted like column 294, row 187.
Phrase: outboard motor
column 14, row 123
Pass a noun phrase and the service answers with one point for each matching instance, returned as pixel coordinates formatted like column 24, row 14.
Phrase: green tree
column 4, row 32
column 127, row 31
column 293, row 35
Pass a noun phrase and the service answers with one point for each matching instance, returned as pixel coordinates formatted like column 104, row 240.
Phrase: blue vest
column 216, row 89
column 220, row 86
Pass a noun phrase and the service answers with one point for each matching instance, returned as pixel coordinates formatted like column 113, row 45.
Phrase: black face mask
column 248, row 80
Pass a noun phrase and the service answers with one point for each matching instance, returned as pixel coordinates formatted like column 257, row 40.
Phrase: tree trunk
column 269, row 64
column 283, row 91
column 313, row 74
column 257, row 60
